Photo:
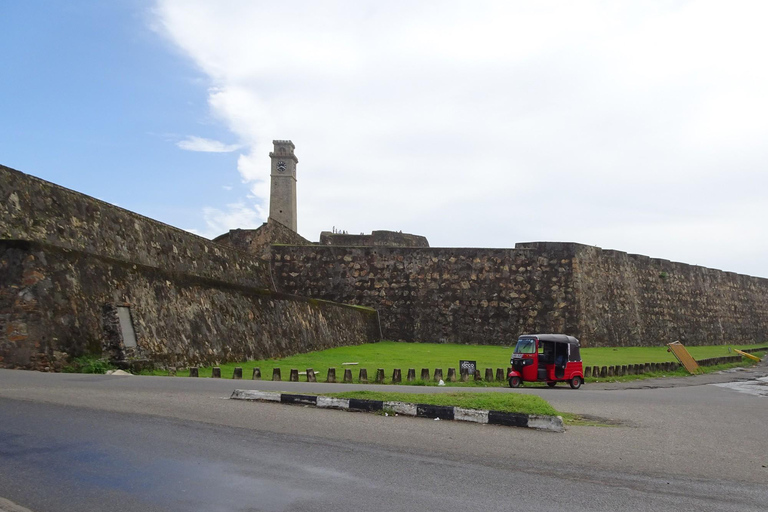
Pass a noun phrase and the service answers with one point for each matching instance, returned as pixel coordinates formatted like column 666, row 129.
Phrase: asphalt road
column 81, row 442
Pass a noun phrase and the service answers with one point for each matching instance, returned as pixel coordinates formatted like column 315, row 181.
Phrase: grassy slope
column 390, row 355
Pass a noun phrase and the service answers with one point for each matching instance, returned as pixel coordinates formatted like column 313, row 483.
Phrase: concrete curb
column 443, row 412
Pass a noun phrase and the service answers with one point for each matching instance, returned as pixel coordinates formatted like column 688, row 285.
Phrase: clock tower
column 282, row 198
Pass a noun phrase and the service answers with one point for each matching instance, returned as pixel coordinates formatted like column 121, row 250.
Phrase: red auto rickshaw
column 549, row 358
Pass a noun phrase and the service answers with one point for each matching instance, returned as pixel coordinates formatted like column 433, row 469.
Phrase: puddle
column 757, row 387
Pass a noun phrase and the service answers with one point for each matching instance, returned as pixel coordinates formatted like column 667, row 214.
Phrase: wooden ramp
column 684, row 357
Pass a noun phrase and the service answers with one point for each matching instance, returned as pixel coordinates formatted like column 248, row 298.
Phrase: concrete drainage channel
column 443, row 412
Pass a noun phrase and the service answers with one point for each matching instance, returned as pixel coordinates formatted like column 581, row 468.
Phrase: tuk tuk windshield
column 525, row 346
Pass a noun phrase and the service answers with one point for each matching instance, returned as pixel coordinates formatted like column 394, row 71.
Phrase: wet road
column 95, row 443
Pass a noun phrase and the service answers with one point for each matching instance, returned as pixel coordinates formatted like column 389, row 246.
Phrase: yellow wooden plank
column 754, row 358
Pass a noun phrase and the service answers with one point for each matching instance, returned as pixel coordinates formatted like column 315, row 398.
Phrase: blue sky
column 93, row 99
column 637, row 125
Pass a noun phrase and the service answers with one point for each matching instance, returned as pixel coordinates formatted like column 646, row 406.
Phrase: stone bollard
column 411, row 375
column 451, row 374
column 489, row 375
column 347, row 376
column 611, row 370
column 256, row 374
column 623, row 371
column 603, row 372
column 276, row 374
column 640, row 369
column 331, row 375
column 425, row 374
column 500, row 374
column 595, row 371
column 363, row 376
column 194, row 372
column 238, row 373
column 464, row 375
column 380, row 376
column 397, row 376
column 294, row 377
column 216, row 372
column 478, row 377
column 311, row 377
column 647, row 368
column 587, row 372
column 438, row 374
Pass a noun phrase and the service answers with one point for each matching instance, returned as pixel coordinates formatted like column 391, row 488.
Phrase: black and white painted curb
column 443, row 412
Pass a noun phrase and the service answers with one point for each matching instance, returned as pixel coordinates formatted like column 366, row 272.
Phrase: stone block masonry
column 36, row 210
column 79, row 275
column 57, row 303
column 482, row 296
column 491, row 296
column 629, row 299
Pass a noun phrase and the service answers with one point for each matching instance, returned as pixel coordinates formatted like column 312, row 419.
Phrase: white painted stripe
column 551, row 423
column 328, row 402
column 474, row 415
column 252, row 394
column 401, row 408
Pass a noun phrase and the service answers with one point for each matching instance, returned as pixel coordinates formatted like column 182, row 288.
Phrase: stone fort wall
column 480, row 296
column 490, row 296
column 376, row 238
column 68, row 261
column 36, row 210
column 629, row 299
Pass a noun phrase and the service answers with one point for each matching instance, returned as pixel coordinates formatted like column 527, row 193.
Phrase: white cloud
column 236, row 215
column 193, row 143
column 618, row 124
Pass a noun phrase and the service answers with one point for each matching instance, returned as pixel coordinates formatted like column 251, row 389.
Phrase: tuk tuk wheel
column 576, row 382
column 514, row 382
column 552, row 384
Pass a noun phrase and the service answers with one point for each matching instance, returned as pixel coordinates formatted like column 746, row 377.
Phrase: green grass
column 505, row 402
column 88, row 364
column 607, row 356
column 390, row 355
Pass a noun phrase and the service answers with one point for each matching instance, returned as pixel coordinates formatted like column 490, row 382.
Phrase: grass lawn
column 390, row 355
column 505, row 402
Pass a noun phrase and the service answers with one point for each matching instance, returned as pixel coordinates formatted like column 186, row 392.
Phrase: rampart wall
column 482, row 296
column 629, row 299
column 53, row 301
column 70, row 261
column 490, row 296
column 36, row 210
column 380, row 238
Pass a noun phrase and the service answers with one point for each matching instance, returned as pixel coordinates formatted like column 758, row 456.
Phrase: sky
column 639, row 126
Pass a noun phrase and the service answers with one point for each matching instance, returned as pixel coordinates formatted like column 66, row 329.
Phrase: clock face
column 281, row 166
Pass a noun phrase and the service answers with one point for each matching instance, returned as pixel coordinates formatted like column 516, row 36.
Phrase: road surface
column 87, row 442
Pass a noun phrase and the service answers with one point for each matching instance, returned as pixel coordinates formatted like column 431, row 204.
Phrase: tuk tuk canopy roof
column 557, row 338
